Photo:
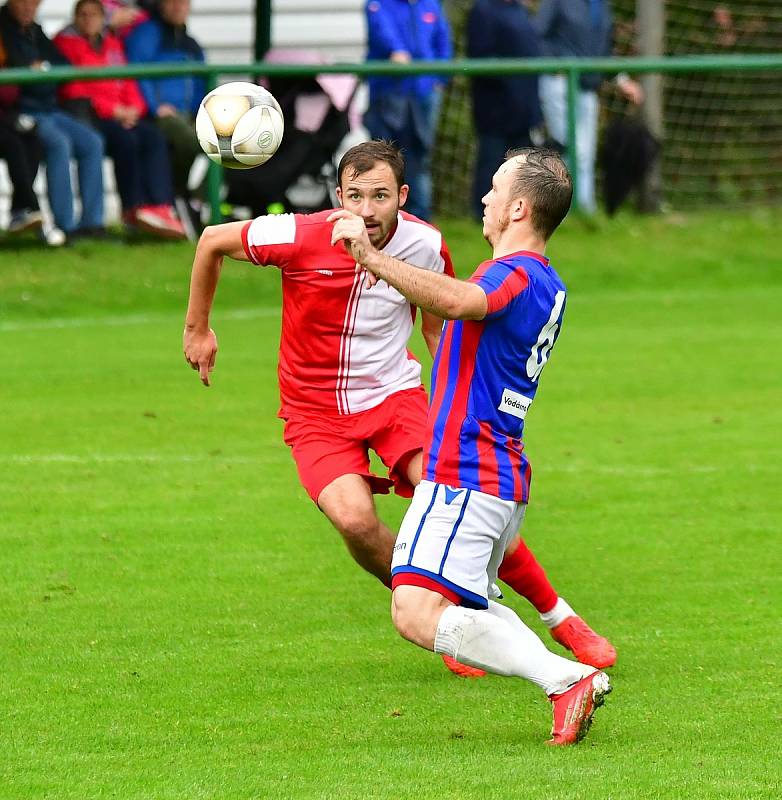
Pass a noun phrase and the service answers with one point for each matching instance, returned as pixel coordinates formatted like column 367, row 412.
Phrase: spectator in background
column 505, row 108
column 722, row 21
column 62, row 136
column 20, row 149
column 137, row 147
column 406, row 110
column 172, row 101
column 582, row 29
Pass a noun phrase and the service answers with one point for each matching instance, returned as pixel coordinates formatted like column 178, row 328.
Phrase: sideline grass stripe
column 664, row 296
column 130, row 319
column 129, row 458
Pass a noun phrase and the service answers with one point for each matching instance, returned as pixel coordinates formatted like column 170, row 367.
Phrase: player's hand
column 372, row 279
column 350, row 229
column 200, row 349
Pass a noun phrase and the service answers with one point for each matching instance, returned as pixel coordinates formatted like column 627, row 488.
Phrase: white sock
column 499, row 642
column 558, row 614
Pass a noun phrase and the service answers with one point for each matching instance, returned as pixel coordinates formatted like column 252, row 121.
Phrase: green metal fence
column 572, row 68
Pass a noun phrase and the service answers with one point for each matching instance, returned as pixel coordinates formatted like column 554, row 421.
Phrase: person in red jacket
column 137, row 148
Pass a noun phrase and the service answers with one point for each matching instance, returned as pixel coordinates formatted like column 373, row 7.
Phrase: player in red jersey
column 502, row 325
column 347, row 381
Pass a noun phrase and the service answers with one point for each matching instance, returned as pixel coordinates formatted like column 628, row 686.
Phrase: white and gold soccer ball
column 239, row 125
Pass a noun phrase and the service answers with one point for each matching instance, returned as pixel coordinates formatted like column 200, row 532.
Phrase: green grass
column 178, row 621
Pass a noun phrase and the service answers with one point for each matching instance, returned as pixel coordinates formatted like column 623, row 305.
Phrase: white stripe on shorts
column 456, row 537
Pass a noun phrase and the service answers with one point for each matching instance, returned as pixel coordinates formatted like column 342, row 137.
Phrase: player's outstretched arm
column 447, row 297
column 199, row 341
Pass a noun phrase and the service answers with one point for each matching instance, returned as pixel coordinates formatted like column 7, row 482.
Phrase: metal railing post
column 650, row 16
column 573, row 77
column 214, row 176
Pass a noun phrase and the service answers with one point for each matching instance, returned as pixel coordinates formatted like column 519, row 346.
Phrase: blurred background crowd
column 146, row 127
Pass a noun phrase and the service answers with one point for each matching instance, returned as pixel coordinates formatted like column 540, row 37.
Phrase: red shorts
column 325, row 448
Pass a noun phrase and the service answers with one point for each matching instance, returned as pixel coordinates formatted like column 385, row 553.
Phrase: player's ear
column 519, row 209
column 404, row 189
column 339, row 194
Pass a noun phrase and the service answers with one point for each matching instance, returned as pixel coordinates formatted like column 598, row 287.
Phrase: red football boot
column 573, row 708
column 160, row 220
column 587, row 646
column 462, row 670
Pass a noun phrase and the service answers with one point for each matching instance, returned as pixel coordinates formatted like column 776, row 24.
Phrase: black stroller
column 301, row 176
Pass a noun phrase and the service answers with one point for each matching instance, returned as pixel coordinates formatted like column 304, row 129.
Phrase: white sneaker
column 54, row 237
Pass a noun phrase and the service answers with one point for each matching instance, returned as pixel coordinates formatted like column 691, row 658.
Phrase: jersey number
column 540, row 352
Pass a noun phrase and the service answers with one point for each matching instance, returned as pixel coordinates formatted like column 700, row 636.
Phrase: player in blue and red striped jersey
column 347, row 381
column 503, row 324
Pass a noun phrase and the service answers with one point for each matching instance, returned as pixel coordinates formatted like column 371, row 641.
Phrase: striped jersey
column 343, row 346
column 485, row 377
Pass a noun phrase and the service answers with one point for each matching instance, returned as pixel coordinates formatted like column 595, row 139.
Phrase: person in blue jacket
column 172, row 101
column 406, row 110
column 505, row 108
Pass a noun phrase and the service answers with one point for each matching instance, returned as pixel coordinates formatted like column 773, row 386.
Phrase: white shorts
column 453, row 540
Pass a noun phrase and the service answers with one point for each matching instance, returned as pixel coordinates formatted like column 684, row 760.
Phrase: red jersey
column 343, row 347
column 107, row 93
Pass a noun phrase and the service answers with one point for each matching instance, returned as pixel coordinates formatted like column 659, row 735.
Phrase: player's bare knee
column 403, row 618
column 415, row 614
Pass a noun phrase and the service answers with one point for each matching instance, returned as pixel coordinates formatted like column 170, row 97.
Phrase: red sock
column 522, row 572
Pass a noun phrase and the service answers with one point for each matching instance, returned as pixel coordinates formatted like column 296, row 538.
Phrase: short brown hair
column 542, row 179
column 363, row 157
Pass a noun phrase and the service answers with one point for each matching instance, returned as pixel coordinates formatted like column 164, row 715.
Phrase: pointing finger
column 340, row 213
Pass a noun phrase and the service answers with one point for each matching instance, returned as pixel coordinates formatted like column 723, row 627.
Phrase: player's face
column 375, row 196
column 496, row 206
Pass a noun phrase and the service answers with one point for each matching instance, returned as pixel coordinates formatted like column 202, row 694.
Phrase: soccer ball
column 239, row 125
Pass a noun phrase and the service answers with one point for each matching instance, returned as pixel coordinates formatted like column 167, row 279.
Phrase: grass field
column 178, row 621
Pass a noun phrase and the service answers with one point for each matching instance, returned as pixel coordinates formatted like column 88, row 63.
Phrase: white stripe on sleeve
column 272, row 229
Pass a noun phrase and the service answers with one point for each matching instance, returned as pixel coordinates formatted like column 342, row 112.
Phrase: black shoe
column 25, row 219
column 100, row 234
